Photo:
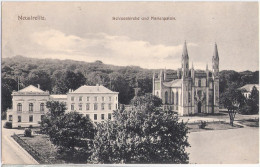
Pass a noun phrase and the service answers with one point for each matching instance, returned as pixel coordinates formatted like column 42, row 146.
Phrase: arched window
column 19, row 107
column 31, row 107
column 172, row 97
column 166, row 97
column 42, row 107
column 199, row 83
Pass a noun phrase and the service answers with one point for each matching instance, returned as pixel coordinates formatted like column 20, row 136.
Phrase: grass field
column 43, row 145
column 194, row 127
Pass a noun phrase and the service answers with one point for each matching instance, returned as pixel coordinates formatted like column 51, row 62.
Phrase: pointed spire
column 215, row 54
column 185, row 51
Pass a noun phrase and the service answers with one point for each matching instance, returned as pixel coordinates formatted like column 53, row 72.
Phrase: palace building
column 29, row 104
column 188, row 91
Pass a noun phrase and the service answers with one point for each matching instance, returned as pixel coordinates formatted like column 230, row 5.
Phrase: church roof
column 174, row 83
column 185, row 51
column 215, row 54
column 93, row 89
column 31, row 88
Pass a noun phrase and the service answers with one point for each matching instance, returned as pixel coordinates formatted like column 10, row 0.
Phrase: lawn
column 194, row 127
column 43, row 145
column 250, row 122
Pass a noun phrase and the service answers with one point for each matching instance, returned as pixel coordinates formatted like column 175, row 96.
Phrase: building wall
column 91, row 100
column 25, row 100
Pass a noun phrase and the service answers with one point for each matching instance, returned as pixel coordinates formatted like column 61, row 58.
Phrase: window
column 109, row 116
column 72, row 98
column 42, row 107
column 87, row 98
column 42, row 116
column 30, row 118
column 87, row 115
column 109, row 106
column 177, row 98
column 103, row 98
column 172, row 97
column 102, row 116
column 72, row 107
column 199, row 83
column 87, row 106
column 116, row 106
column 95, row 116
column 31, row 107
column 102, row 106
column 166, row 97
column 19, row 118
column 19, row 107
column 95, row 106
column 80, row 98
column 80, row 107
column 10, row 118
column 109, row 98
column 95, row 98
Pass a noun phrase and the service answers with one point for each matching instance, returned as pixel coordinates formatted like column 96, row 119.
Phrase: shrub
column 27, row 132
column 8, row 125
column 202, row 124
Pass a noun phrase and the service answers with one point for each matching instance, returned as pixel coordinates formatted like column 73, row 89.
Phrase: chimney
column 38, row 86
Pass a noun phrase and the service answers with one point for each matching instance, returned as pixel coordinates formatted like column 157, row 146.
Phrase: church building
column 188, row 91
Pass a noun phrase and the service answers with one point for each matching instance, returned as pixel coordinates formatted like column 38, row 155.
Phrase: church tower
column 185, row 108
column 215, row 73
column 185, row 62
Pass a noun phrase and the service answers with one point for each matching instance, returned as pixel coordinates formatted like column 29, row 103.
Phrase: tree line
column 58, row 76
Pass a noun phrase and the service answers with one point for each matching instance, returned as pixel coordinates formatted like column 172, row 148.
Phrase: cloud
column 117, row 50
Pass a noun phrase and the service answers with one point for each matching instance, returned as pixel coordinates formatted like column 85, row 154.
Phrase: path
column 233, row 146
column 12, row 152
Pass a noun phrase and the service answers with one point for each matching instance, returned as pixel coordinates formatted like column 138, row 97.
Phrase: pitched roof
column 93, row 89
column 249, row 87
column 31, row 88
column 174, row 83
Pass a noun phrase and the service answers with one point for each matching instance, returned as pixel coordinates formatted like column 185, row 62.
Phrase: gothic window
column 199, row 83
column 166, row 97
column 19, row 107
column 172, row 97
column 189, row 97
column 42, row 107
column 177, row 98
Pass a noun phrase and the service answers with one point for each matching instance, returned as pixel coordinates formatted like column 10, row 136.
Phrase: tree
column 55, row 109
column 69, row 132
column 72, row 134
column 39, row 77
column 139, row 137
column 233, row 100
column 252, row 103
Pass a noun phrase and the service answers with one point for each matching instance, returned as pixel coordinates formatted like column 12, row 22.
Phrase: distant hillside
column 58, row 76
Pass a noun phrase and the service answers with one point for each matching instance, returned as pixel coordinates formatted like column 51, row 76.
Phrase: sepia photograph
column 129, row 83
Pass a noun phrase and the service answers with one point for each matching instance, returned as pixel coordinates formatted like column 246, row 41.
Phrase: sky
column 85, row 31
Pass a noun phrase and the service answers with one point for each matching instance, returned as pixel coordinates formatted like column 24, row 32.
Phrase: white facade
column 29, row 104
column 96, row 102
